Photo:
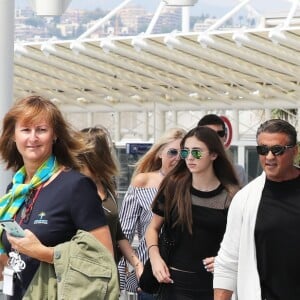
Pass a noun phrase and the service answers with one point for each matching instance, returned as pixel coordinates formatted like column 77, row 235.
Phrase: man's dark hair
column 211, row 119
column 279, row 126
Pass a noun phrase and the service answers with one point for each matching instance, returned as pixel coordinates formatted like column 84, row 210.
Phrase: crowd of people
column 230, row 239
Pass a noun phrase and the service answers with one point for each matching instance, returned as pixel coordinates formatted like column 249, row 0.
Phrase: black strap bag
column 166, row 242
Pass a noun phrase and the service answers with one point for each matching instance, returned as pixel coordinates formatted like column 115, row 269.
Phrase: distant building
column 130, row 17
column 24, row 13
column 275, row 19
column 169, row 20
column 202, row 26
column 67, row 30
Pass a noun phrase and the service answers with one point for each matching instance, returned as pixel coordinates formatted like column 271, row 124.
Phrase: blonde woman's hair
column 151, row 161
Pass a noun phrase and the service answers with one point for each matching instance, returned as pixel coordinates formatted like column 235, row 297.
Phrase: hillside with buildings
column 131, row 20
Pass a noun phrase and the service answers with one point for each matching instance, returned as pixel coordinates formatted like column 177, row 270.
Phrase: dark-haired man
column 217, row 124
column 259, row 255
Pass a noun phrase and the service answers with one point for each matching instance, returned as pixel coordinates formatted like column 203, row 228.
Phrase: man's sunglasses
column 196, row 153
column 221, row 133
column 172, row 152
column 276, row 150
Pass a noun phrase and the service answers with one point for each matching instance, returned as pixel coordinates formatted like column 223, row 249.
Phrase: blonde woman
column 136, row 214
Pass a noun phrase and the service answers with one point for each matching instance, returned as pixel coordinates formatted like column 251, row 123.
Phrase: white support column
column 185, row 22
column 235, row 122
column 174, row 118
column 89, row 119
column 117, row 135
column 235, row 125
column 159, row 121
column 268, row 114
column 145, row 126
column 7, row 14
column 241, row 155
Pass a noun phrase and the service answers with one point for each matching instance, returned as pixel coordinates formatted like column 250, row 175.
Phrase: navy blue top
column 70, row 202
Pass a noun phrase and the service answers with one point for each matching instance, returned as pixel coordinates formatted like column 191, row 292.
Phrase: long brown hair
column 176, row 186
column 99, row 156
column 29, row 110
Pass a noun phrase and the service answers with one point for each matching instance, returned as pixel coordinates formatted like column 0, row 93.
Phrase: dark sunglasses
column 221, row 133
column 196, row 153
column 276, row 150
column 172, row 152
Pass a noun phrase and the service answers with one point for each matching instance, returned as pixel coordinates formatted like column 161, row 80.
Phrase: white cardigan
column 236, row 265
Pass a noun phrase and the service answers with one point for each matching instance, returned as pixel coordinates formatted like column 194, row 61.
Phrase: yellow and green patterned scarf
column 14, row 199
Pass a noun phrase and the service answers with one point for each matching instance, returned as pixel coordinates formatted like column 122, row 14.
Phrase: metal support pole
column 145, row 121
column 7, row 14
column 117, row 128
column 185, row 22
column 159, row 122
column 155, row 18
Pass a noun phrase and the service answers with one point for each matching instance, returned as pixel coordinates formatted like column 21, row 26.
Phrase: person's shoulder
column 140, row 180
column 143, row 179
column 71, row 175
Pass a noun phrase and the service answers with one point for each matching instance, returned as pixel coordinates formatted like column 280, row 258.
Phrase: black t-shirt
column 110, row 207
column 277, row 238
column 209, row 212
column 70, row 202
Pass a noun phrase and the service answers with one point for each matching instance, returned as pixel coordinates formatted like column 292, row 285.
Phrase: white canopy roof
column 237, row 69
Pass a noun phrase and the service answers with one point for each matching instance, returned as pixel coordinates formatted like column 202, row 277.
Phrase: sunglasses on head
column 221, row 133
column 276, row 150
column 196, row 153
column 172, row 152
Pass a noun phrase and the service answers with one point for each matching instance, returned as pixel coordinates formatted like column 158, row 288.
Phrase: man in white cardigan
column 259, row 256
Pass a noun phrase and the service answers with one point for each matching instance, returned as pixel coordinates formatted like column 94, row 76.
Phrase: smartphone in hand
column 12, row 227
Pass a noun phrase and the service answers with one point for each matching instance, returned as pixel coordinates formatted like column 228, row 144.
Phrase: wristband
column 154, row 245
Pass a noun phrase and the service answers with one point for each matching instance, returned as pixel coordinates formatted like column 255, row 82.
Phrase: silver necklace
column 161, row 173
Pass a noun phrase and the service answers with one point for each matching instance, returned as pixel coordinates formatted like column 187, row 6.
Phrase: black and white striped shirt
column 135, row 215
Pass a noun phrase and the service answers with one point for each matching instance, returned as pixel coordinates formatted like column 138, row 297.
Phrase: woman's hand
column 160, row 270
column 209, row 264
column 31, row 246
column 139, row 268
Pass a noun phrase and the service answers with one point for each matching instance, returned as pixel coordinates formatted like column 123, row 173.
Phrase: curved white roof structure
column 216, row 69
column 242, row 69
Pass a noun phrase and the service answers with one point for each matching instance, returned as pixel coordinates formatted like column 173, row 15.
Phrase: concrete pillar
column 117, row 135
column 235, row 121
column 268, row 114
column 145, row 120
column 159, row 121
column 89, row 119
column 7, row 14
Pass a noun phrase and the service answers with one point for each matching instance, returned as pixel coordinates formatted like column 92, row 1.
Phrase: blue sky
column 203, row 6
column 212, row 7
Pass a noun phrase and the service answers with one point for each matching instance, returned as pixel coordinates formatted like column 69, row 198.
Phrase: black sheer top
column 209, row 211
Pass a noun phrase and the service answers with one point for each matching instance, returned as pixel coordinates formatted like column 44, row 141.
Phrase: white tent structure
column 140, row 85
column 241, row 69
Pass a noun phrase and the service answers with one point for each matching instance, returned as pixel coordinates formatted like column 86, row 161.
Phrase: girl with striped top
column 135, row 213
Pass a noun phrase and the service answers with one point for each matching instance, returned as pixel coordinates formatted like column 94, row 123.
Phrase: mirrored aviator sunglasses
column 196, row 153
column 172, row 153
column 276, row 150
